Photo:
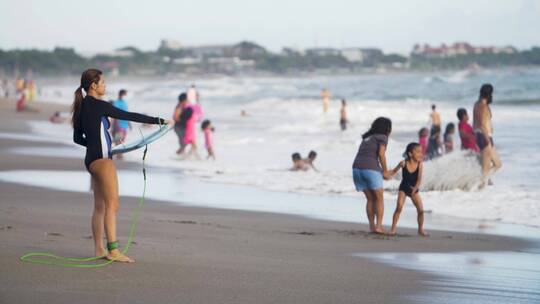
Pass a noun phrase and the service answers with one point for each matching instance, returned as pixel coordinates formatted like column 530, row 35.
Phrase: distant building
column 246, row 49
column 287, row 51
column 170, row 44
column 218, row 50
column 323, row 52
column 353, row 54
column 458, row 48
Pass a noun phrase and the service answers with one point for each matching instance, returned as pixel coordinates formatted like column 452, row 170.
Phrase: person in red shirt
column 466, row 133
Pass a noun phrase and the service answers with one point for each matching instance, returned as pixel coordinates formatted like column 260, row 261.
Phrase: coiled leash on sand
column 37, row 257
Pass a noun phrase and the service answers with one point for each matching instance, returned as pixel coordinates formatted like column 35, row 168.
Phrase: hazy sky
column 100, row 25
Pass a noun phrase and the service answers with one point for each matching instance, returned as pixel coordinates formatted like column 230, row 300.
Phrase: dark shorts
column 181, row 133
column 481, row 141
column 343, row 124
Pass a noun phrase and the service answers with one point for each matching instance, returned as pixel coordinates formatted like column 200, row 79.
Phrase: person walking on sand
column 325, row 95
column 411, row 179
column 343, row 115
column 90, row 129
column 483, row 130
column 369, row 169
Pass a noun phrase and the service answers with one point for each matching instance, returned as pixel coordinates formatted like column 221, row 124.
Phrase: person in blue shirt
column 120, row 127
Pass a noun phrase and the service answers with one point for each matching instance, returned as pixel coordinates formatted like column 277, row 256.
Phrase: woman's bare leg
column 399, row 207
column 104, row 172
column 379, row 209
column 98, row 220
column 370, row 206
column 417, row 201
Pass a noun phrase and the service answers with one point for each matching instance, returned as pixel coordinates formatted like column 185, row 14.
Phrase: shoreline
column 199, row 254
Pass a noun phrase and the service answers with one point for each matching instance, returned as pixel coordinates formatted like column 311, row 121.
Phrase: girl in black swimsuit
column 90, row 129
column 410, row 182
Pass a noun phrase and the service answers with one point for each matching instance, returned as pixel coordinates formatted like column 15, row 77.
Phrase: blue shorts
column 367, row 179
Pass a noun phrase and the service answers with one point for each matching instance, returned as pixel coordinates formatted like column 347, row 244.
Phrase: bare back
column 435, row 119
column 482, row 117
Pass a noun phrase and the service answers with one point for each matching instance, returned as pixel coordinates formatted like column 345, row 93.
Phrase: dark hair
column 409, row 149
column 421, row 131
column 449, row 127
column 296, row 156
column 312, row 154
column 122, row 93
column 343, row 102
column 486, row 92
column 205, row 124
column 182, row 97
column 434, row 130
column 461, row 112
column 87, row 78
column 381, row 125
column 433, row 107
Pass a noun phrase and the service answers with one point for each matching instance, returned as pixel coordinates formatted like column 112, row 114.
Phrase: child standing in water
column 411, row 180
column 434, row 143
column 423, row 136
column 449, row 137
column 466, row 133
column 207, row 128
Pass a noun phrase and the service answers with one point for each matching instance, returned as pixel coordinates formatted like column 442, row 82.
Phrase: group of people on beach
column 477, row 139
column 25, row 91
column 186, row 115
column 370, row 166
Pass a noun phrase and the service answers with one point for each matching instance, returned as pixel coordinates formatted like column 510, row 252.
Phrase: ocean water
column 471, row 277
column 284, row 115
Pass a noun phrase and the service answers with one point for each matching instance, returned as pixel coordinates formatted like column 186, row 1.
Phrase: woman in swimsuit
column 411, row 180
column 483, row 131
column 90, row 129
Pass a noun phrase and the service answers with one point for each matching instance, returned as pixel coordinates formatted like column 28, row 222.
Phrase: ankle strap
column 112, row 245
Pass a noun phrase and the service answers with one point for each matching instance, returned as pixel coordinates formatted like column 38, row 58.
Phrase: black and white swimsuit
column 92, row 130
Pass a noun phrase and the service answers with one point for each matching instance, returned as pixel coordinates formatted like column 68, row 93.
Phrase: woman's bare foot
column 117, row 256
column 101, row 253
column 423, row 233
column 379, row 230
column 392, row 232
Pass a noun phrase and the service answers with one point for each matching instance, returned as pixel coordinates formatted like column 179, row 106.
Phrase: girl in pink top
column 207, row 128
column 466, row 133
column 423, row 135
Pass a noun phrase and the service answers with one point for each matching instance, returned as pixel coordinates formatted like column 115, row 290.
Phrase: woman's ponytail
column 87, row 78
column 76, row 107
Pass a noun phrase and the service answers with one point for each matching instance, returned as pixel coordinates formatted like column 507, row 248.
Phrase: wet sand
column 197, row 255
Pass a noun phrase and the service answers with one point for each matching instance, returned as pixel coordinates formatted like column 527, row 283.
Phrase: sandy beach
column 196, row 255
